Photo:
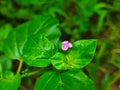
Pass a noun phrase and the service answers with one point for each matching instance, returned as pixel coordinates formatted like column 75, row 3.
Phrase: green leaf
column 9, row 81
column 4, row 30
column 5, row 64
column 37, row 51
column 15, row 41
column 44, row 25
column 68, row 80
column 78, row 56
column 42, row 45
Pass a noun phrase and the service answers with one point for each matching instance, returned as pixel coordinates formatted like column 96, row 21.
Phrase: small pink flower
column 66, row 45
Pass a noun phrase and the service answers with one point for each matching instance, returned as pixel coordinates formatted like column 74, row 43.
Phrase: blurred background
column 78, row 19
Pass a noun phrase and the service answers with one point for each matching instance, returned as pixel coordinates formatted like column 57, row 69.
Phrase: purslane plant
column 37, row 44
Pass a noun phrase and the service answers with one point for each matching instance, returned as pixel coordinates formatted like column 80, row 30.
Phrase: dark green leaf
column 109, row 80
column 106, row 82
column 68, row 80
column 78, row 56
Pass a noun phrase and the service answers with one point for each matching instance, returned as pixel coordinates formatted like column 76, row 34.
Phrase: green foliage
column 38, row 50
column 68, row 80
column 27, row 2
column 116, row 59
column 109, row 80
column 77, row 57
column 16, row 39
column 9, row 81
column 14, row 42
column 36, row 43
column 116, row 5
column 3, row 35
column 5, row 64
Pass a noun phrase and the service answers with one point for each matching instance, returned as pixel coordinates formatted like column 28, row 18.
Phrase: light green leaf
column 15, row 41
column 37, row 51
column 5, row 64
column 4, row 30
column 9, row 81
column 42, row 45
column 68, row 80
column 44, row 25
column 78, row 56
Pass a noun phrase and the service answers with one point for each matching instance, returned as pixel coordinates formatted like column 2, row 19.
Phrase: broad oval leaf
column 10, row 81
column 68, row 80
column 44, row 25
column 78, row 56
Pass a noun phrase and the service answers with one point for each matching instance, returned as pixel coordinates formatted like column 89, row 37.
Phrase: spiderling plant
column 58, row 64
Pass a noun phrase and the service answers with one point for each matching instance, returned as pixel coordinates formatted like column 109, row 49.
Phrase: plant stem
column 20, row 66
column 41, row 71
column 31, row 73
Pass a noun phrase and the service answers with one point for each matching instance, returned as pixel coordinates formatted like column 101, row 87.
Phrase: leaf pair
column 74, row 79
column 68, row 80
column 36, row 42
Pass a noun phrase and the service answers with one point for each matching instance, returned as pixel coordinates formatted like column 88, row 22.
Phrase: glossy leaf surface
column 78, row 56
column 69, row 80
column 42, row 44
column 38, row 50
column 44, row 25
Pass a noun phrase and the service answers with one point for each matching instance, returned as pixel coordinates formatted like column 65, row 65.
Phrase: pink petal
column 65, row 42
column 64, row 47
column 70, row 45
